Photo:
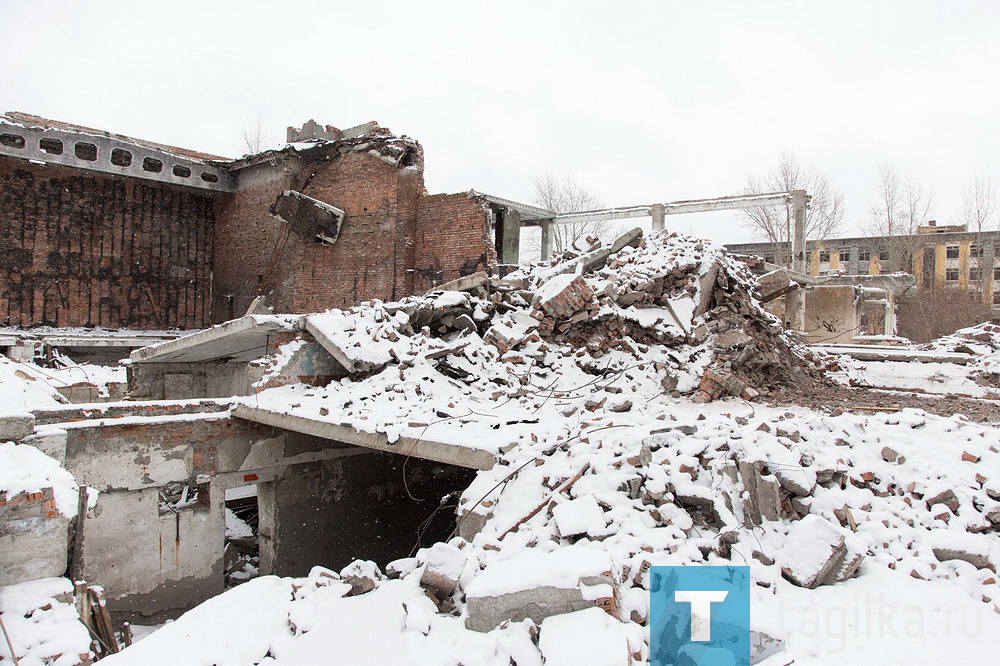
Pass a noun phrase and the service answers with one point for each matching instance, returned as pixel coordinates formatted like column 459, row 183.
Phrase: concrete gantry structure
column 532, row 216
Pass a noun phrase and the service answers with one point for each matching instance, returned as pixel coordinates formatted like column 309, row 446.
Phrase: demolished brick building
column 105, row 230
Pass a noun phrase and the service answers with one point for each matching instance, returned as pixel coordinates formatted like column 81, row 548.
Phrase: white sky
column 638, row 101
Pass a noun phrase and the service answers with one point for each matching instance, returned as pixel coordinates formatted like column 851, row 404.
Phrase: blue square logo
column 700, row 616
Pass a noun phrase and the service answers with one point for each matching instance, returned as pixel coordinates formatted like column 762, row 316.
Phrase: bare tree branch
column 565, row 195
column 826, row 210
column 255, row 138
column 980, row 204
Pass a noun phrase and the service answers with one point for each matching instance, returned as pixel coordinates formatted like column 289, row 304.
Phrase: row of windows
column 844, row 255
column 88, row 153
column 975, row 274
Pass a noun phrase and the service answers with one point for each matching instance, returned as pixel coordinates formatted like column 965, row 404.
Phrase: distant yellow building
column 938, row 256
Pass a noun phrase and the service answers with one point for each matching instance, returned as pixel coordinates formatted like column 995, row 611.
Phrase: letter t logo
column 701, row 610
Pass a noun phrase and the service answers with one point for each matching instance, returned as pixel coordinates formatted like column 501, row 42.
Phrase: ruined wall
column 453, row 239
column 246, row 236
column 394, row 241
column 33, row 537
column 375, row 249
column 91, row 250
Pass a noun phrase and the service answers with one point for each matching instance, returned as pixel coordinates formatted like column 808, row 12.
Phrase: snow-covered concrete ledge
column 451, row 454
column 240, row 339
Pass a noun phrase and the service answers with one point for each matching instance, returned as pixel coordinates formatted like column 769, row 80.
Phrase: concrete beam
column 109, row 155
column 450, row 454
column 243, row 339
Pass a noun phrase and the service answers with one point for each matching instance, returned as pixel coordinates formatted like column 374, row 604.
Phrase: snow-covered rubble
column 573, row 374
column 42, row 624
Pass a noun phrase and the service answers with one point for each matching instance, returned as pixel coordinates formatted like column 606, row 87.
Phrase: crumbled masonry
column 619, row 391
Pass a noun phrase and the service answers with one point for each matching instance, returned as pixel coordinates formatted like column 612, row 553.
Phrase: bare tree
column 565, row 195
column 823, row 218
column 900, row 207
column 980, row 204
column 255, row 138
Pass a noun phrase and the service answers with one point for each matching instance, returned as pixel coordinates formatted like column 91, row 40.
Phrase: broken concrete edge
column 351, row 366
column 464, row 283
column 450, row 454
column 264, row 324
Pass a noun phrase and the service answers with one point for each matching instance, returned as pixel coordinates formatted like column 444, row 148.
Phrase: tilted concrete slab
column 351, row 365
column 451, row 454
column 243, row 339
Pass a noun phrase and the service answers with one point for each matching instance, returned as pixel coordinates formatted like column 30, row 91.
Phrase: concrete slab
column 878, row 353
column 451, row 454
column 243, row 339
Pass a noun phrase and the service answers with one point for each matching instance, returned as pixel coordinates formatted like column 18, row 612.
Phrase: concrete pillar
column 795, row 302
column 546, row 226
column 799, row 200
column 511, row 249
column 659, row 213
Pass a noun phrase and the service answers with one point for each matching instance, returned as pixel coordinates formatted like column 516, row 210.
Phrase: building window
column 864, row 255
column 952, row 252
column 152, row 165
column 975, row 274
column 951, row 275
column 824, row 257
column 996, row 272
column 976, row 250
column 845, row 256
column 883, row 255
column 996, row 297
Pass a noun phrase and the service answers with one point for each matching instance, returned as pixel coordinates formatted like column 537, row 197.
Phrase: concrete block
column 32, row 548
column 51, row 441
column 443, row 566
column 540, row 586
column 308, row 217
column 764, row 502
column 813, row 552
column 16, row 426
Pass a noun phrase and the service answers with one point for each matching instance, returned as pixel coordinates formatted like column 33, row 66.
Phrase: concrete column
column 659, row 213
column 799, row 200
column 511, row 236
column 546, row 226
column 795, row 303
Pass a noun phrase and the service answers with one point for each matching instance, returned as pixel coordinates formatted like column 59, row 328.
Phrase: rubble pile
column 571, row 377
column 682, row 295
column 982, row 342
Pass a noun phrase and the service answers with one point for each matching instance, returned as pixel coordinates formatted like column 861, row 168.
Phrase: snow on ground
column 978, row 377
column 23, row 391
column 934, row 378
column 42, row 623
column 81, row 373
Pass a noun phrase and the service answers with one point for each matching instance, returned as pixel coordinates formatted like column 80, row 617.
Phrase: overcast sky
column 638, row 101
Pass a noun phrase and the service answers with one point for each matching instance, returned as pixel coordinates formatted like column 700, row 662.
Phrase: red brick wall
column 453, row 239
column 371, row 256
column 245, row 237
column 81, row 249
